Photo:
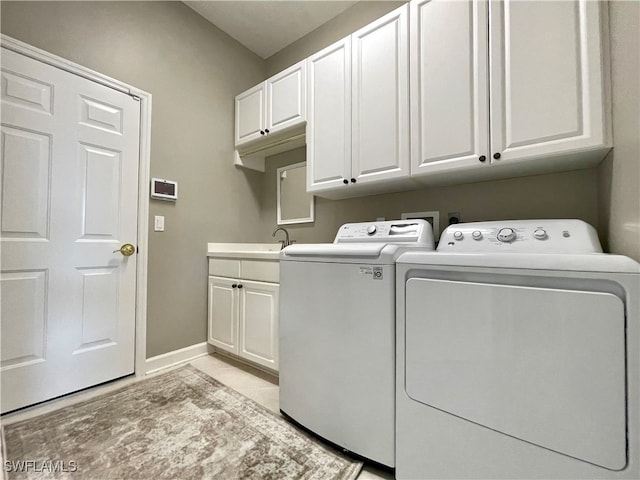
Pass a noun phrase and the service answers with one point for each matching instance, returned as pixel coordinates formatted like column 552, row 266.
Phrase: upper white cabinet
column 547, row 79
column 449, row 85
column 380, row 82
column 286, row 99
column 250, row 115
column 271, row 116
column 358, row 126
column 543, row 72
column 329, row 117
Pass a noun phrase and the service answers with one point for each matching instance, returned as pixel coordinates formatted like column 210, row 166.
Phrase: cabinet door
column 380, row 123
column 223, row 314
column 546, row 78
column 258, row 325
column 286, row 99
column 250, row 115
column 449, row 85
column 329, row 124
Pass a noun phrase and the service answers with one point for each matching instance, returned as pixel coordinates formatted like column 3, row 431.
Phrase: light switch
column 159, row 223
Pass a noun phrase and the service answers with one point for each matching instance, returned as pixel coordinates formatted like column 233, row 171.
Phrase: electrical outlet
column 454, row 217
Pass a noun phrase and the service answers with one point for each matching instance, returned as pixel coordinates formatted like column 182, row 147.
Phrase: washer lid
column 371, row 253
column 369, row 250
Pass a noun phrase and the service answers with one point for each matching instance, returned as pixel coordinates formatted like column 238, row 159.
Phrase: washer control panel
column 418, row 232
column 522, row 236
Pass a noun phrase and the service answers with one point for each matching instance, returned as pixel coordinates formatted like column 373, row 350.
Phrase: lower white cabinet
column 243, row 318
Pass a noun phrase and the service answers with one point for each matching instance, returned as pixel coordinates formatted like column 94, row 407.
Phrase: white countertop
column 262, row 251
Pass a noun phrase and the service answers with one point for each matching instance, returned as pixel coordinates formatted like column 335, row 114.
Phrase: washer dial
column 506, row 235
column 540, row 233
column 371, row 230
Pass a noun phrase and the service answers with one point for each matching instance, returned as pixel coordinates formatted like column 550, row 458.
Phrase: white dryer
column 517, row 355
column 337, row 334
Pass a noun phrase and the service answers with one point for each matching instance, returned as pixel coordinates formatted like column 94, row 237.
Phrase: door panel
column 329, row 124
column 250, row 115
column 287, row 98
column 70, row 151
column 26, row 176
column 449, row 93
column 546, row 77
column 258, row 323
column 223, row 312
column 380, row 123
column 543, row 365
column 23, row 317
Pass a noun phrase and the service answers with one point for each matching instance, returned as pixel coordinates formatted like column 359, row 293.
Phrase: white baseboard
column 171, row 359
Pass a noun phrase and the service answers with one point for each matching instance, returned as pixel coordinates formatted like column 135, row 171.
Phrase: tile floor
column 251, row 382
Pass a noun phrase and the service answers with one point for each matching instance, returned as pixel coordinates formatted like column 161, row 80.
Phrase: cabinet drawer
column 266, row 271
column 224, row 267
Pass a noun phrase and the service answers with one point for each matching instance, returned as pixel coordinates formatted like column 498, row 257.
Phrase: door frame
column 144, row 161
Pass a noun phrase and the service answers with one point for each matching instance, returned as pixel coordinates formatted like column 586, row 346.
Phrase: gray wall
column 561, row 195
column 357, row 16
column 619, row 174
column 193, row 70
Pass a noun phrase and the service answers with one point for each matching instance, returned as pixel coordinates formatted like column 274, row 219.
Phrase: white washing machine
column 337, row 334
column 518, row 354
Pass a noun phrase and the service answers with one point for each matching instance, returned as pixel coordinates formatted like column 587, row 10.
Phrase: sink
column 265, row 251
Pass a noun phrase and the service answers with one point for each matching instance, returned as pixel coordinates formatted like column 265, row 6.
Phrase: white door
column 546, row 78
column 223, row 313
column 380, row 122
column 258, row 323
column 286, row 99
column 250, row 115
column 449, row 93
column 329, row 117
column 69, row 199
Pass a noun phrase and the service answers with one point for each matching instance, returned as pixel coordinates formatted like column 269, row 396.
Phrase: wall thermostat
column 164, row 189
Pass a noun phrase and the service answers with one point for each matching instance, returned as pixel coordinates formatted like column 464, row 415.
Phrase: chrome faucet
column 285, row 242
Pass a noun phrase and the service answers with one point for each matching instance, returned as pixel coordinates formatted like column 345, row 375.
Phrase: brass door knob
column 127, row 250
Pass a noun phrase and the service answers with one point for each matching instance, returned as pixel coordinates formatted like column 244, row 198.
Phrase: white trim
column 280, row 175
column 143, row 175
column 171, row 359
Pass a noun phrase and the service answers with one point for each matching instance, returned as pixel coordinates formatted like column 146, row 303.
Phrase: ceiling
column 266, row 27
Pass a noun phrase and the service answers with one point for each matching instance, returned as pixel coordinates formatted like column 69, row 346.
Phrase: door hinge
column 135, row 97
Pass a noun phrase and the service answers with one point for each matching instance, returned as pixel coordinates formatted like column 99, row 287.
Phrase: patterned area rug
column 179, row 425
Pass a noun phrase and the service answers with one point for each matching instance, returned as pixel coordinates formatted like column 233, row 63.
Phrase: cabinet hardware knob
column 261, row 132
column 482, row 158
column 353, row 180
column 240, row 286
column 345, row 181
column 266, row 130
column 234, row 285
column 496, row 156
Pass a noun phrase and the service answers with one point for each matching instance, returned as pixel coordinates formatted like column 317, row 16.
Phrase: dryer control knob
column 477, row 235
column 540, row 233
column 371, row 230
column 458, row 235
column 506, row 235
